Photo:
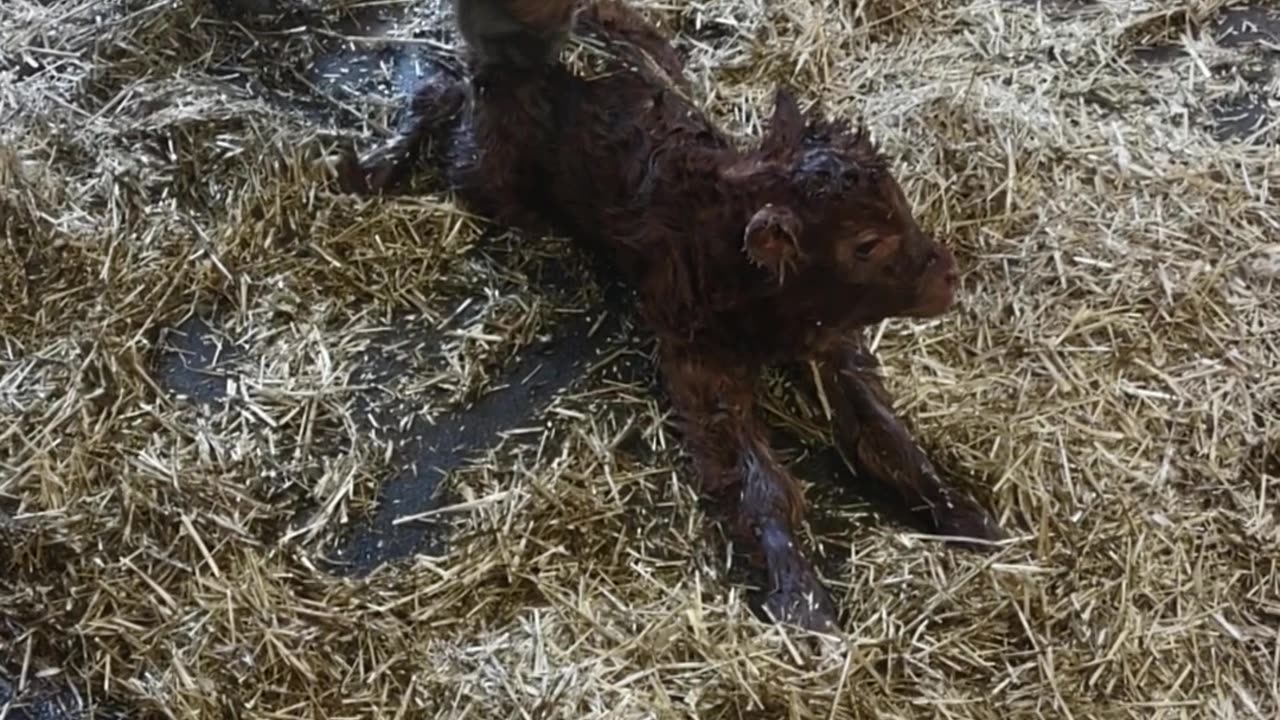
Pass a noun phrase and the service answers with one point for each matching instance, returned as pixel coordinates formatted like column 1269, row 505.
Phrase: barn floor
column 271, row 451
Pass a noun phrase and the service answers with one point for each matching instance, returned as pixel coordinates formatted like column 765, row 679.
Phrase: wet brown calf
column 778, row 254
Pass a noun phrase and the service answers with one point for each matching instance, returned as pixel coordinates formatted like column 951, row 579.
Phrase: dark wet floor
column 428, row 452
column 1255, row 30
column 49, row 699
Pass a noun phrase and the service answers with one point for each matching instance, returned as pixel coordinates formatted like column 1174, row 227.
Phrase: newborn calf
column 777, row 254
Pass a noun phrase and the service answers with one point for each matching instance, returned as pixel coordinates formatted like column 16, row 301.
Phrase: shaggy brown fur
column 741, row 259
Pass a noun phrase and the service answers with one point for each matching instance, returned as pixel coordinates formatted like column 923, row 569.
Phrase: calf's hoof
column 796, row 596
column 352, row 176
column 375, row 174
column 965, row 521
column 809, row 607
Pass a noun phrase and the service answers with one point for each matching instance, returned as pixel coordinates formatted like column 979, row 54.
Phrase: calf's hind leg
column 737, row 469
column 620, row 24
column 432, row 112
column 880, row 448
column 486, row 147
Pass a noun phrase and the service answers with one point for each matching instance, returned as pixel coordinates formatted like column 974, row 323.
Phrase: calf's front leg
column 879, row 448
column 737, row 469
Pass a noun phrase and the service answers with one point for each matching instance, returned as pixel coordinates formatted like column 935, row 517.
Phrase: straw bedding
column 1108, row 385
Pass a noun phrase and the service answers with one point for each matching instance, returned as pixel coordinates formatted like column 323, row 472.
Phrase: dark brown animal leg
column 738, row 470
column 879, row 448
column 481, row 148
column 618, row 22
column 434, row 107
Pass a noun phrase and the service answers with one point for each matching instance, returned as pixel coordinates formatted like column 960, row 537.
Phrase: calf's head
column 831, row 227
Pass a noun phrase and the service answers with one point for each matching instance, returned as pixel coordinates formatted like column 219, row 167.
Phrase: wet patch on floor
column 1242, row 116
column 429, row 451
column 1241, row 26
column 194, row 361
column 32, row 698
column 1245, row 112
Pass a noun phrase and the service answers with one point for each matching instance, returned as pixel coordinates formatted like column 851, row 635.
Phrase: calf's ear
column 786, row 126
column 783, row 138
column 772, row 241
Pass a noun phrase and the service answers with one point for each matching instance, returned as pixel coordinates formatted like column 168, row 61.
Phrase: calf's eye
column 864, row 249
